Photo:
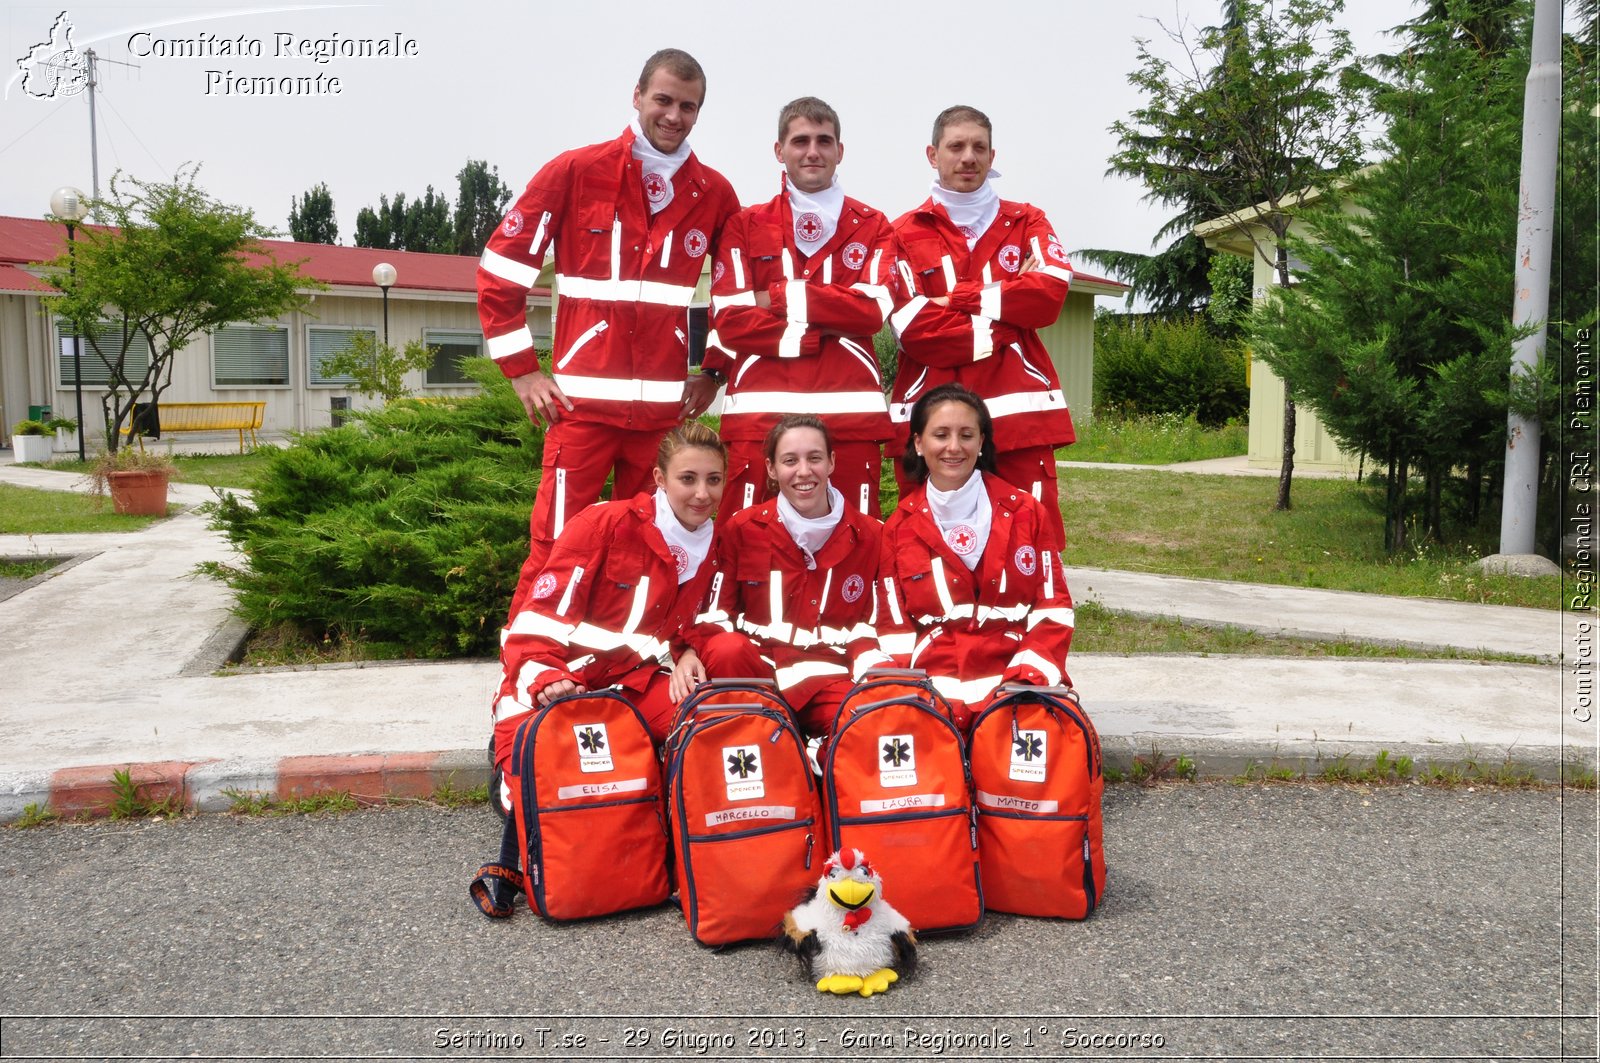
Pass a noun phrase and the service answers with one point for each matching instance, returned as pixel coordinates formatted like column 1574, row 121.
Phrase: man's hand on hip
column 540, row 396
column 699, row 392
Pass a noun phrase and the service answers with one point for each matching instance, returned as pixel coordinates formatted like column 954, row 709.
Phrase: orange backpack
column 1037, row 771
column 743, row 810
column 896, row 785
column 586, row 835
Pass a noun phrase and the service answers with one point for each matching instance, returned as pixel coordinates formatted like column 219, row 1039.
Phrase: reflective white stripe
column 789, row 342
column 588, row 334
column 604, row 387
column 989, row 300
column 1055, row 616
column 949, row 275
column 714, row 599
column 509, row 269
column 988, row 276
column 616, row 245
column 666, row 249
column 1049, row 669
column 1038, row 252
column 539, row 230
column 777, row 629
column 898, row 643
column 803, row 402
column 745, row 365
column 1057, row 272
column 560, row 520
column 827, row 270
column 1003, row 574
column 738, row 267
column 923, row 643
column 1038, row 490
column 862, row 356
column 1025, row 402
column 788, row 265
column 970, row 690
column 866, row 498
column 1046, row 558
column 941, row 587
column 620, row 291
column 791, row 674
column 749, row 488
column 868, row 661
column 509, row 344
column 504, row 708
column 901, row 319
column 722, row 302
column 906, row 275
column 982, row 338
column 572, row 585
column 960, row 612
column 872, row 274
column 641, row 598
column 880, row 295
column 1008, row 613
column 822, row 602
column 893, row 602
column 535, row 624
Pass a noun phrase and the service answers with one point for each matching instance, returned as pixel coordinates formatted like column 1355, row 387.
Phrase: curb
column 212, row 785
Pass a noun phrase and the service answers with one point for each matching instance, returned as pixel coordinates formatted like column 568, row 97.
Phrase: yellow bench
column 238, row 417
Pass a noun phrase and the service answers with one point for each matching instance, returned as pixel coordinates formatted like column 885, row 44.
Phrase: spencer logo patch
column 897, row 760
column 594, row 747
column 741, row 771
column 1028, row 756
column 854, row 587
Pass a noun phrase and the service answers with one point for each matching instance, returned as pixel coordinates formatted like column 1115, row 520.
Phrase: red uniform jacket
column 1010, row 620
column 986, row 338
column 813, row 624
column 811, row 351
column 605, row 609
column 624, row 278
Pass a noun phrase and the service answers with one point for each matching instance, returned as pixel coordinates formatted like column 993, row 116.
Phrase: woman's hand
column 687, row 674
column 559, row 689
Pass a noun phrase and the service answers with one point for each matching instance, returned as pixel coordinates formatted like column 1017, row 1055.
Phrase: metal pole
column 77, row 338
column 94, row 143
column 386, row 315
column 1541, row 134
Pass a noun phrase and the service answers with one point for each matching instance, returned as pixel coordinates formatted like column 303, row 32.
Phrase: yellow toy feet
column 841, row 984
column 878, row 982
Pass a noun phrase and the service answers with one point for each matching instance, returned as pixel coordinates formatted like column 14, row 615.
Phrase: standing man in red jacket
column 632, row 220
column 799, row 287
column 984, row 275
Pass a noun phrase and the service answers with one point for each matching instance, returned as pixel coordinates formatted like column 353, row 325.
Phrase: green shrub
column 405, row 528
column 1177, row 366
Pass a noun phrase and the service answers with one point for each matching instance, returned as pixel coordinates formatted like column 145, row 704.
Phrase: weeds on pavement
column 128, row 802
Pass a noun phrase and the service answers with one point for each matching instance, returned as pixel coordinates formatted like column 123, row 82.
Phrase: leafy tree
column 1230, row 279
column 1399, row 332
column 480, row 203
column 422, row 224
column 1256, row 112
column 384, row 227
column 311, row 219
column 167, row 263
column 377, row 368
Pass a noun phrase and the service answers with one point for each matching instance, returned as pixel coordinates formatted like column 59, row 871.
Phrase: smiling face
column 962, row 156
column 810, row 152
column 801, row 465
column 668, row 109
column 693, row 484
column 950, row 444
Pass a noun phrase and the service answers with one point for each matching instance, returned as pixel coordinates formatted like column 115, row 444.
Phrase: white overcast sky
column 515, row 83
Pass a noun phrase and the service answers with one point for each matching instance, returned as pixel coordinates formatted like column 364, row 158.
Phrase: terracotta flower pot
column 139, row 493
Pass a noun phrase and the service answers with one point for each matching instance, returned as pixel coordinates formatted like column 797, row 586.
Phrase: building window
column 449, row 348
column 96, row 374
column 250, row 355
column 324, row 342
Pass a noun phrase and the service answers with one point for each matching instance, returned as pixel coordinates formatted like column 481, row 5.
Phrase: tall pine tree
column 311, row 218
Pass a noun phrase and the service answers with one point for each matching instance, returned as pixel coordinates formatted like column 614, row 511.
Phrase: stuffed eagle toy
column 847, row 933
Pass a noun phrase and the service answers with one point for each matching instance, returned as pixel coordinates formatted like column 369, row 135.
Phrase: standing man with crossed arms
column 631, row 220
column 985, row 274
column 799, row 287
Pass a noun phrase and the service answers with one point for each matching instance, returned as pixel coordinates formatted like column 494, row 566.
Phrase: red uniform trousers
column 857, row 469
column 731, row 655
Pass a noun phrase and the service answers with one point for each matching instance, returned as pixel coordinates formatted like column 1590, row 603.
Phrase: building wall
column 1070, row 341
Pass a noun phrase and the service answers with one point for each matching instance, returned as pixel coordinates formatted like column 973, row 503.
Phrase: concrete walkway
column 109, row 664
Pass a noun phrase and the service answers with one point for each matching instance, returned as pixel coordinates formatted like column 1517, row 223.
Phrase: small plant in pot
column 31, row 441
column 66, row 430
column 137, row 479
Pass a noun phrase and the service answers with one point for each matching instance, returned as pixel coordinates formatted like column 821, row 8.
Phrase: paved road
column 1280, row 922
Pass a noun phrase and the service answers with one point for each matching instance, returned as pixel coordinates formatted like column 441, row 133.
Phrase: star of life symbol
column 695, row 243
column 854, row 254
column 897, row 760
column 545, row 585
column 808, row 227
column 1028, row 756
column 741, row 771
column 1027, row 560
column 680, row 557
column 1010, row 258
column 513, row 223
column 594, row 747
column 655, row 187
column 853, row 587
column 54, row 67
column 963, row 539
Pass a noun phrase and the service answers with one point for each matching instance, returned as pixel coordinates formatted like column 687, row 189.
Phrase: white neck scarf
column 973, row 212
column 659, row 168
column 816, row 215
column 689, row 548
column 964, row 516
column 810, row 533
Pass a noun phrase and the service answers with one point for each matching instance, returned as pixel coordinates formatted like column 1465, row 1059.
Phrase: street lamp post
column 383, row 275
column 67, row 203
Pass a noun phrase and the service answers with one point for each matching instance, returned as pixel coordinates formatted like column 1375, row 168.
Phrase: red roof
column 13, row 279
column 29, row 240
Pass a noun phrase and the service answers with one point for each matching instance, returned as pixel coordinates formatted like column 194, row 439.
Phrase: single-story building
column 433, row 299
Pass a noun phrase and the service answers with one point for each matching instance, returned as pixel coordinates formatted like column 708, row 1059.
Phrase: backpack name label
column 735, row 815
column 891, row 804
column 601, row 789
column 1019, row 804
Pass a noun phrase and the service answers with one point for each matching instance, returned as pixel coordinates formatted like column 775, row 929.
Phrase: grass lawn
column 1159, row 439
column 1224, row 527
column 30, row 511
column 210, row 470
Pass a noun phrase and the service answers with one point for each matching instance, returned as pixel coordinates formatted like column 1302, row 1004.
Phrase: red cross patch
column 1027, row 560
column 655, row 187
column 695, row 243
column 681, row 556
column 1010, row 258
column 808, row 227
column 513, row 223
column 967, row 231
column 854, row 255
column 1056, row 251
column 717, row 271
column 963, row 539
column 853, row 587
column 544, row 586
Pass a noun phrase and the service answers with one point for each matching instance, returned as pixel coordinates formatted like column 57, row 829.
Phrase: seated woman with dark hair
column 969, row 589
column 793, row 598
